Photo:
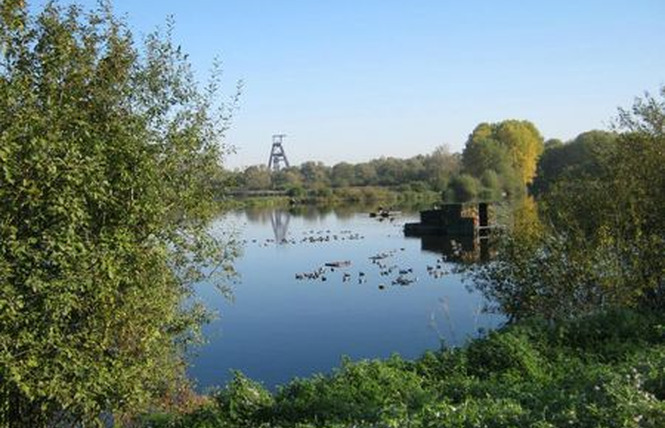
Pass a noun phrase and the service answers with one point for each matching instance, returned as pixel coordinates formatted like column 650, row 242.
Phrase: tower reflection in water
column 280, row 225
column 457, row 249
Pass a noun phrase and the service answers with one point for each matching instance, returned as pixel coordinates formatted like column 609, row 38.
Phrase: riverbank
column 601, row 370
column 368, row 195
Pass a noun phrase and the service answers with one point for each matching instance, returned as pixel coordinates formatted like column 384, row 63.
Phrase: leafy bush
column 243, row 400
column 108, row 152
column 462, row 188
column 484, row 412
column 361, row 391
column 504, row 352
column 296, row 192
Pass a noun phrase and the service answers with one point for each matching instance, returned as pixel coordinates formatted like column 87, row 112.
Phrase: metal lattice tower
column 277, row 154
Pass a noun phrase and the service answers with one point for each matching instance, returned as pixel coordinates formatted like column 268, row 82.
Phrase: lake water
column 279, row 327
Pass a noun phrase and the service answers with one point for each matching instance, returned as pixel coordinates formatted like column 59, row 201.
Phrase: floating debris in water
column 384, row 255
column 318, row 236
column 384, row 213
column 338, row 264
column 314, row 275
column 439, row 270
column 404, row 280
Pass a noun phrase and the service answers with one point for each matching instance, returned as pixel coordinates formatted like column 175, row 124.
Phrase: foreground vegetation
column 596, row 371
column 107, row 150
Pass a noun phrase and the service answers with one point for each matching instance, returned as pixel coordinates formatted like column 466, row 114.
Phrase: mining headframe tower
column 277, row 153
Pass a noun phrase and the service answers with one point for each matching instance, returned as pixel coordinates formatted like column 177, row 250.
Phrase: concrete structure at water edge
column 460, row 232
column 452, row 220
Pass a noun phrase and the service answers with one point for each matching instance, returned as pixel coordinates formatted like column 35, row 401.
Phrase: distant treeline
column 499, row 160
column 422, row 172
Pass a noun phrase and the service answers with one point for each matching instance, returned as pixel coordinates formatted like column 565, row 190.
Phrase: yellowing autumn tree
column 524, row 143
column 508, row 147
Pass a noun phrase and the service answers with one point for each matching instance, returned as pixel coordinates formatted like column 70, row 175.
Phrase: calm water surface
column 280, row 327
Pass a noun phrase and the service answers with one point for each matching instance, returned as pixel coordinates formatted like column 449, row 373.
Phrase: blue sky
column 354, row 80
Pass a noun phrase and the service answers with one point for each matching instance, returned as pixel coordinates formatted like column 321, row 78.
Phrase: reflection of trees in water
column 347, row 211
column 525, row 220
column 317, row 213
column 258, row 215
column 311, row 213
column 279, row 220
column 519, row 215
column 307, row 212
column 263, row 215
column 460, row 249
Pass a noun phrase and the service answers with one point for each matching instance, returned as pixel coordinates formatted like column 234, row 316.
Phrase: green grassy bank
column 599, row 371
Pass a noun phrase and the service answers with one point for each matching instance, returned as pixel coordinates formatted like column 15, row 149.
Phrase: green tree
column 491, row 183
column 106, row 150
column 602, row 239
column 287, row 178
column 315, row 174
column 415, row 169
column 440, row 166
column 482, row 152
column 256, row 177
column 524, row 144
column 365, row 174
column 390, row 171
column 585, row 155
column 511, row 148
column 462, row 188
column 619, row 206
column 552, row 143
column 343, row 175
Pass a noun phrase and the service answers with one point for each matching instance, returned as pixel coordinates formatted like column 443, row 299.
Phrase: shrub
column 243, row 401
column 108, row 152
column 462, row 188
column 362, row 391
